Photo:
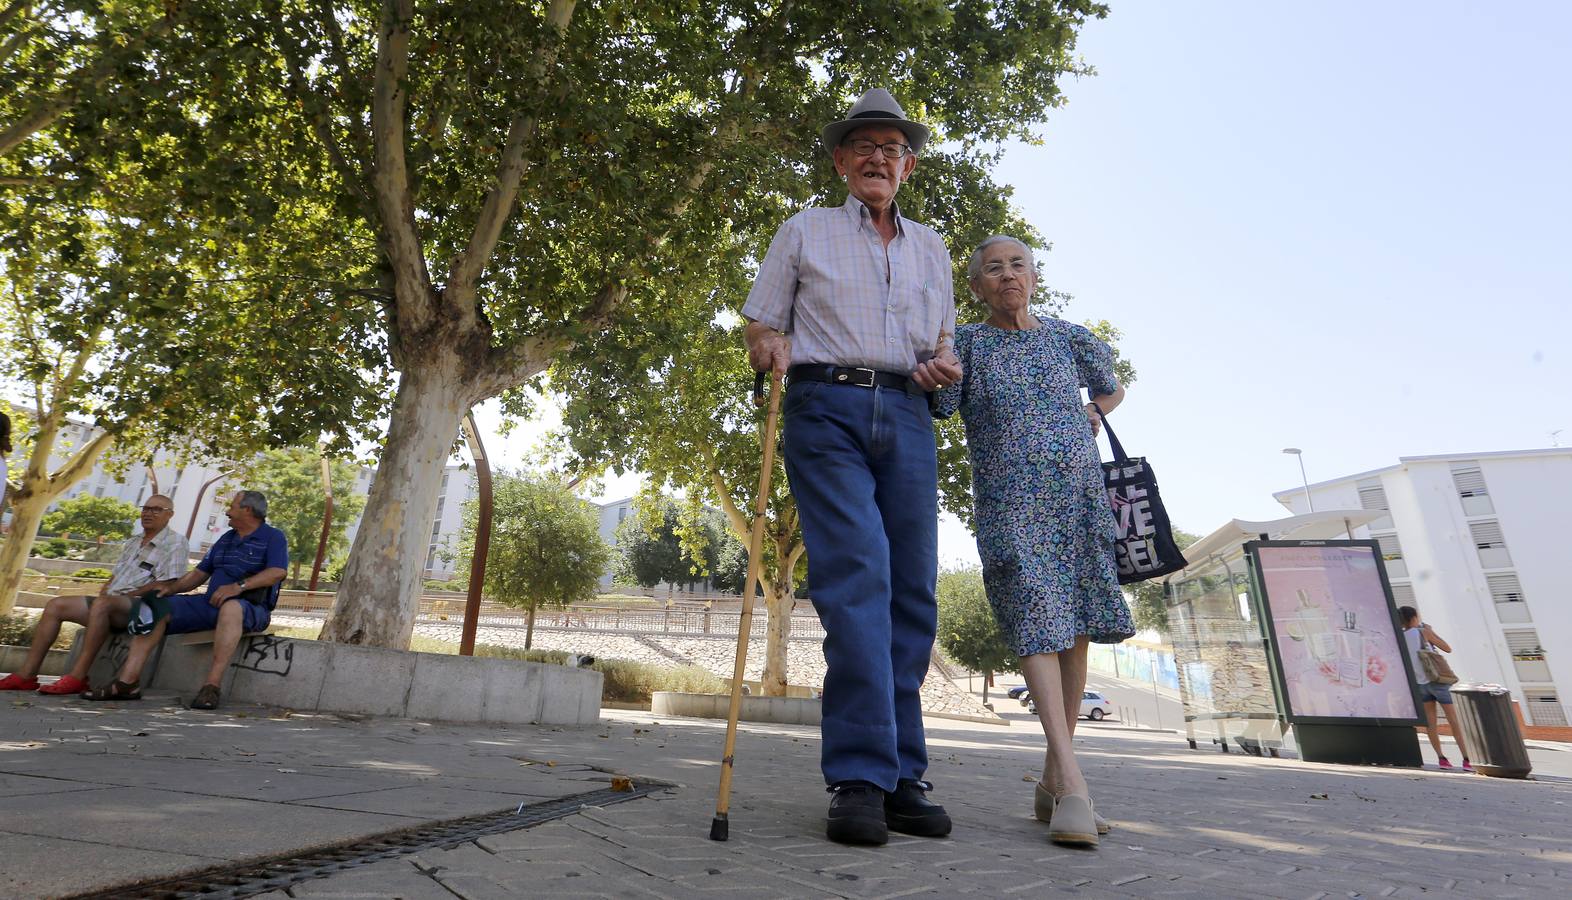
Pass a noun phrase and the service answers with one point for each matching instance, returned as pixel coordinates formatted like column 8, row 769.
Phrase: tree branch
column 739, row 522
column 346, row 84
column 498, row 204
column 390, row 180
column 51, row 108
column 80, row 463
column 316, row 112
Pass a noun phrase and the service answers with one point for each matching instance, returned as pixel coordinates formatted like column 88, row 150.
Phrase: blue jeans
column 864, row 473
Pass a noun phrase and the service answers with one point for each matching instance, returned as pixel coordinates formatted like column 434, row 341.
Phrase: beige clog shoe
column 1042, row 806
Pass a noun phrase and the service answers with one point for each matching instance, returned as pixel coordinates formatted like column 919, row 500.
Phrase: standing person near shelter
column 5, row 459
column 242, row 571
column 1045, row 531
column 854, row 305
column 1419, row 636
column 150, row 560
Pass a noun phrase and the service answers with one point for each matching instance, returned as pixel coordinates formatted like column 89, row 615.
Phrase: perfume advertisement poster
column 1341, row 657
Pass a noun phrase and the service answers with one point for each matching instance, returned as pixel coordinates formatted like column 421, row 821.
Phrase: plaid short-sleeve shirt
column 162, row 559
column 845, row 299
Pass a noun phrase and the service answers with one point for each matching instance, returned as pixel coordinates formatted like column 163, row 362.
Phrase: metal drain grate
column 276, row 874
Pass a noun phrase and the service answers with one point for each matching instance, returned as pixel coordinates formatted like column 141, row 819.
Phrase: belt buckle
column 845, row 376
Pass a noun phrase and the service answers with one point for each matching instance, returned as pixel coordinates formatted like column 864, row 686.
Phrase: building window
column 431, row 558
column 1470, row 482
column 436, row 529
column 1392, row 554
column 1507, row 592
column 622, row 513
column 1544, row 708
column 1528, row 654
column 1373, row 496
column 1491, row 545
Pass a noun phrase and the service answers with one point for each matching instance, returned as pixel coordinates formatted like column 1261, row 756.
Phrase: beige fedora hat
column 876, row 107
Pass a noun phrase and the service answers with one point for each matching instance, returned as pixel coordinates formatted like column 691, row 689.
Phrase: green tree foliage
column 90, row 517
column 968, row 632
column 659, row 543
column 291, row 479
column 648, row 547
column 1147, row 604
column 164, row 272
column 546, row 548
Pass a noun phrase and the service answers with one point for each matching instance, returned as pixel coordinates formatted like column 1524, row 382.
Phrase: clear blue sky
column 1337, row 226
column 1341, row 226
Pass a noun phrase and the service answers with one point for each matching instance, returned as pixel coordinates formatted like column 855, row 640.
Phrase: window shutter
column 1469, row 479
column 1403, row 594
column 1390, row 548
column 1372, row 495
column 1505, row 588
column 1523, row 643
column 1487, row 534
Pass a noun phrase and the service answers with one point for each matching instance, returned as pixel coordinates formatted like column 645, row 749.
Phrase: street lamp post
column 1295, row 451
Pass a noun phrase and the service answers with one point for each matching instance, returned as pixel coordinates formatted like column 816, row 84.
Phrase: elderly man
column 854, row 305
column 242, row 571
column 153, row 559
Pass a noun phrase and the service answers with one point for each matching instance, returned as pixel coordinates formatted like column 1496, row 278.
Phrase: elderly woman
column 1045, row 531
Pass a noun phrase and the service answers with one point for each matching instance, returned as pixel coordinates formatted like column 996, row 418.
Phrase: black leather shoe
column 908, row 811
column 857, row 814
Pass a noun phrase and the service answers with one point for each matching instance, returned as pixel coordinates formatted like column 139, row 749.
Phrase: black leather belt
column 843, row 375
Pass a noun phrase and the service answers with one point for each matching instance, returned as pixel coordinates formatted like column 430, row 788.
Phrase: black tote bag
column 1144, row 545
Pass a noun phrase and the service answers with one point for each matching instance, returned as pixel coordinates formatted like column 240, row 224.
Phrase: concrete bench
column 178, row 662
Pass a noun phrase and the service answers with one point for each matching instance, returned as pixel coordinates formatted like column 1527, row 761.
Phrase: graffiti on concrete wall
column 267, row 655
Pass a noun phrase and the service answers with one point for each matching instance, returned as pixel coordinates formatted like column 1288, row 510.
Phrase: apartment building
column 1477, row 543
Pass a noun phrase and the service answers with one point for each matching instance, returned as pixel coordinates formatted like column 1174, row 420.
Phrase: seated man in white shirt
column 150, row 560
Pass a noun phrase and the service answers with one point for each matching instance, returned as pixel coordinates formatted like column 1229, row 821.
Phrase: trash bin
column 1487, row 728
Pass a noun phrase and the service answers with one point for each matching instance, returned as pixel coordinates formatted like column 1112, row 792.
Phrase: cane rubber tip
column 718, row 829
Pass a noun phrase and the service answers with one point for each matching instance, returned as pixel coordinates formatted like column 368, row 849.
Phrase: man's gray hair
column 254, row 501
column 974, row 268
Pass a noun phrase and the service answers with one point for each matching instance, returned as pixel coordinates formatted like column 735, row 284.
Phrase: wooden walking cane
column 719, row 827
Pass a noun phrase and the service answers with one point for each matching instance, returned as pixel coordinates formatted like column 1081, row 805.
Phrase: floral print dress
column 1045, row 531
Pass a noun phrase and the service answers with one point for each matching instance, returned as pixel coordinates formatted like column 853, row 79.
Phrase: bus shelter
column 1226, row 680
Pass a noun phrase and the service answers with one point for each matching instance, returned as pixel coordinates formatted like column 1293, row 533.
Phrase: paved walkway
column 99, row 795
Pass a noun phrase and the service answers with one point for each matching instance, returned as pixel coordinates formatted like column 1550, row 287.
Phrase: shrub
column 54, row 548
column 17, row 629
column 92, row 572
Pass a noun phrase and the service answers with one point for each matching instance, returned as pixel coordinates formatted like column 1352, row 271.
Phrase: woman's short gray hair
column 254, row 501
column 974, row 268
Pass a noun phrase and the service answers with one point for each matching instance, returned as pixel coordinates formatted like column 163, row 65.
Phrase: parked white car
column 1094, row 706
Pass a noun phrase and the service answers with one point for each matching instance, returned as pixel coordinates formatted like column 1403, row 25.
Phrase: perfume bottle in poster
column 1351, row 652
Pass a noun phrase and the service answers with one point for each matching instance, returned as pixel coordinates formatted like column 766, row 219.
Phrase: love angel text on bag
column 1143, row 541
column 1135, row 528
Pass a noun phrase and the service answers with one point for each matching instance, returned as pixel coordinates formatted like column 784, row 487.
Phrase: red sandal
column 66, row 684
column 15, row 682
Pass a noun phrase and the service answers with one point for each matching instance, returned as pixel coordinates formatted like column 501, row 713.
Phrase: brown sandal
column 206, row 697
column 115, row 690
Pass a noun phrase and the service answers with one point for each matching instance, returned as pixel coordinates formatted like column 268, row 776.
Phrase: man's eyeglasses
column 157, row 509
column 1017, row 267
column 891, row 150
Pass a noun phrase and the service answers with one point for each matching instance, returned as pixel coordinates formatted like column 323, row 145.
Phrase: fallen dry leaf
column 622, row 784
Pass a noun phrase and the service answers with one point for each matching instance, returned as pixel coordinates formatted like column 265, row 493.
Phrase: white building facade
column 1478, row 544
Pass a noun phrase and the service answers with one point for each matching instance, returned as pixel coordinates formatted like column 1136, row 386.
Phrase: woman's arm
column 1430, row 636
column 1107, row 403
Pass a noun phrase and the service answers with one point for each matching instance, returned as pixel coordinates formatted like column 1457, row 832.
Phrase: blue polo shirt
column 232, row 558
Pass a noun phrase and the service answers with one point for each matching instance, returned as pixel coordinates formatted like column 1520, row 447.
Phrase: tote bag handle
column 1113, row 439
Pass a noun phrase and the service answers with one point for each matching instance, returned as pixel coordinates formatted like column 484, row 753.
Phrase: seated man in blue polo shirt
column 242, row 571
